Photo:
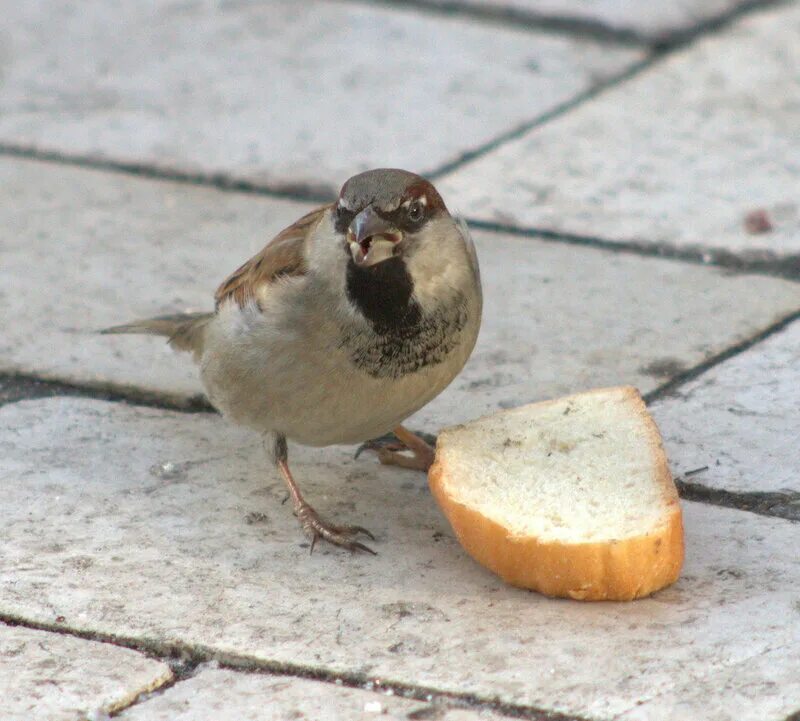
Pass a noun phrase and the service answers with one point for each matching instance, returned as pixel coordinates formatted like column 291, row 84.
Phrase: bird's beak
column 371, row 238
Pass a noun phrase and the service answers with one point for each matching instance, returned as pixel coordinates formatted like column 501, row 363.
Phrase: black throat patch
column 383, row 293
column 403, row 339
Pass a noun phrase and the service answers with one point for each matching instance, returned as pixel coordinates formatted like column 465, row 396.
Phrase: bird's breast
column 423, row 340
column 398, row 338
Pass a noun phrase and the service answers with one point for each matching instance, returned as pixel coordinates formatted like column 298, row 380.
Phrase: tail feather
column 184, row 331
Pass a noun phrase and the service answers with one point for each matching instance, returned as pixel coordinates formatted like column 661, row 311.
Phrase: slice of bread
column 571, row 497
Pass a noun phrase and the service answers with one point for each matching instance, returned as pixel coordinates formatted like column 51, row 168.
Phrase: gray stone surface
column 83, row 250
column 650, row 21
column 740, row 419
column 678, row 156
column 99, row 530
column 277, row 92
column 228, row 696
column 772, row 677
column 60, row 678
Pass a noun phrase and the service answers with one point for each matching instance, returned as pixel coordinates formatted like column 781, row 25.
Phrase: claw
column 375, row 444
column 349, row 545
column 315, row 528
column 356, row 546
column 360, row 529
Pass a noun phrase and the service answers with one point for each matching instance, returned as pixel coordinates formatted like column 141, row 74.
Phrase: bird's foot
column 315, row 528
column 393, row 449
column 419, row 460
column 389, row 442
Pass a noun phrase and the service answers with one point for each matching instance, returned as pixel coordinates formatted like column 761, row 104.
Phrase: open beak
column 371, row 238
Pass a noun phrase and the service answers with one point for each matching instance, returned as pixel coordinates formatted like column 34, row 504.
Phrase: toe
column 356, row 546
column 361, row 529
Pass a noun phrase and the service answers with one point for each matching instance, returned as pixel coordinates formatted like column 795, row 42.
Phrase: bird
column 345, row 324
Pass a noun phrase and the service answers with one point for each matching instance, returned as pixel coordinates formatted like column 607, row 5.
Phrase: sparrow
column 346, row 323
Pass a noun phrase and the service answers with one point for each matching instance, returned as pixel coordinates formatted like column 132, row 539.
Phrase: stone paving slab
column 84, row 249
column 228, row 696
column 651, row 21
column 219, row 562
column 772, row 677
column 278, row 92
column 679, row 156
column 740, row 419
column 61, row 678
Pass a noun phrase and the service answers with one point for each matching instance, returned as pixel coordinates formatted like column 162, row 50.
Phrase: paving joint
column 577, row 27
column 672, row 386
column 681, row 38
column 322, row 193
column 301, row 192
column 181, row 671
column 187, row 657
column 554, row 113
column 517, row 18
column 15, row 387
column 787, row 268
column 773, row 504
column 659, row 50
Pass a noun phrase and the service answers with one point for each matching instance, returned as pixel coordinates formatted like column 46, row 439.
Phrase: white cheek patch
column 326, row 253
column 434, row 280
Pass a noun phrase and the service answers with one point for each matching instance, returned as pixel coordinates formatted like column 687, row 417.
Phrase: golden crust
column 284, row 255
column 604, row 571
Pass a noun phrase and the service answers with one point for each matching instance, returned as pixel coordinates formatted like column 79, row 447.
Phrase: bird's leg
column 313, row 526
column 422, row 457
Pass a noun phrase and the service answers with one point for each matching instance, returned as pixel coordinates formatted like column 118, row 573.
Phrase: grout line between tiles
column 673, row 384
column 574, row 25
column 658, row 52
column 519, row 19
column 766, row 264
column 193, row 655
column 300, row 192
column 772, row 504
column 554, row 113
column 180, row 672
column 763, row 264
column 36, row 387
column 322, row 193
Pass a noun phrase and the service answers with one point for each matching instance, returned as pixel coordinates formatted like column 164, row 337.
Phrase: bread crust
column 617, row 570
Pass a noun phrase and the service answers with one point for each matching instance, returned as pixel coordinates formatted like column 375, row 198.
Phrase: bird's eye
column 416, row 211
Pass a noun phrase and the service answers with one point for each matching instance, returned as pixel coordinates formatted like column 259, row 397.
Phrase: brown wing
column 284, row 255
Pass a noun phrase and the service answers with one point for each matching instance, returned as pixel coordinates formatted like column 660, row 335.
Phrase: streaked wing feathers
column 284, row 255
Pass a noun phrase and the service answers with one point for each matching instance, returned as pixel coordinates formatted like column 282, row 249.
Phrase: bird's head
column 384, row 213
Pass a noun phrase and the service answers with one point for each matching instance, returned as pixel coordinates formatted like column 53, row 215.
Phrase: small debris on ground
column 757, row 222
column 255, row 517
